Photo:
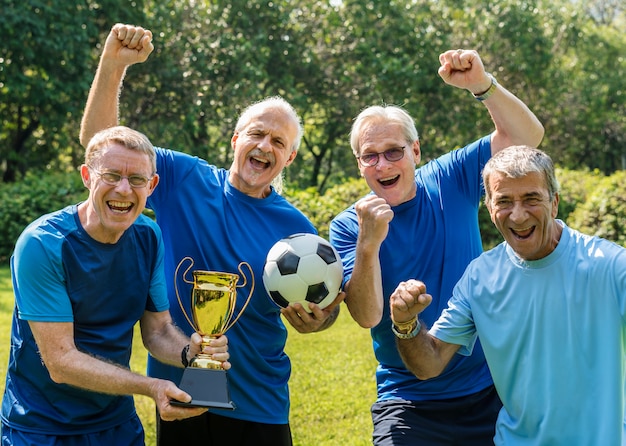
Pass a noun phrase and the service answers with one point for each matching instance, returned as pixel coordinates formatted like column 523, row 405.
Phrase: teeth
column 120, row 204
column 260, row 160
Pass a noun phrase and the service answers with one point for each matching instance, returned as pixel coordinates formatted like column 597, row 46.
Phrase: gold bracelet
column 414, row 329
column 406, row 326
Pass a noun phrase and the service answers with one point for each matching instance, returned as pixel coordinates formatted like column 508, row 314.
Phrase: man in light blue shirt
column 548, row 306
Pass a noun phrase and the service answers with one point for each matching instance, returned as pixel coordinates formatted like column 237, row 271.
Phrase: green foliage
column 45, row 73
column 329, row 59
column 26, row 200
column 321, row 209
column 604, row 211
column 575, row 187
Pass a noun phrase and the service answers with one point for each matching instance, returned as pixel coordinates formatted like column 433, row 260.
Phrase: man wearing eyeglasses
column 423, row 224
column 83, row 277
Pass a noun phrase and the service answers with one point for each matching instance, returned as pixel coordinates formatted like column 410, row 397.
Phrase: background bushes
column 38, row 194
column 590, row 202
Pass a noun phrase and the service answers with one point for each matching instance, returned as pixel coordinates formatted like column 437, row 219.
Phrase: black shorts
column 465, row 421
column 214, row 430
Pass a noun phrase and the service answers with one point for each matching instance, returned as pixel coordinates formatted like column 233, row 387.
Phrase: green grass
column 332, row 384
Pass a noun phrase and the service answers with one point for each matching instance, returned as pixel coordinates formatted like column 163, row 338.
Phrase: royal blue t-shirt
column 204, row 218
column 432, row 238
column 61, row 274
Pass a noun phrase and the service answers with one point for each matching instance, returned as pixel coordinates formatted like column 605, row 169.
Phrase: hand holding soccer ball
column 303, row 268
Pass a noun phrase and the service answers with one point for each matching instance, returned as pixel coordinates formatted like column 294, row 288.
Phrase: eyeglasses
column 371, row 159
column 113, row 179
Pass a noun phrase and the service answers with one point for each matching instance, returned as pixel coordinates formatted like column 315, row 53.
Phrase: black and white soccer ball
column 303, row 268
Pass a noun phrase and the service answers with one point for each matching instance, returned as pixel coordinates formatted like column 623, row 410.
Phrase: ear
column 492, row 215
column 85, row 175
column 292, row 156
column 417, row 152
column 233, row 140
column 555, row 205
column 153, row 184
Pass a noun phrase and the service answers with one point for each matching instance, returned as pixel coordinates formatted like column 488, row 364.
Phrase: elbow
column 538, row 135
column 425, row 374
column 83, row 138
column 369, row 321
column 421, row 372
column 56, row 374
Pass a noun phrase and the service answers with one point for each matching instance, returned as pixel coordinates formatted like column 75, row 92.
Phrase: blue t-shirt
column 554, row 335
column 61, row 274
column 204, row 217
column 432, row 238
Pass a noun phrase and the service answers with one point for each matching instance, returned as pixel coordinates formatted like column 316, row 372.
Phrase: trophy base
column 207, row 387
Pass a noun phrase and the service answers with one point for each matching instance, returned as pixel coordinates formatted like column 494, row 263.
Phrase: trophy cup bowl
column 213, row 299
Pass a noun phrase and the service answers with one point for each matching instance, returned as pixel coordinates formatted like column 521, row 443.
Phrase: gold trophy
column 213, row 299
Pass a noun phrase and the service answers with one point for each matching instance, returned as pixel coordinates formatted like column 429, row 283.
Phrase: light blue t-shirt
column 554, row 335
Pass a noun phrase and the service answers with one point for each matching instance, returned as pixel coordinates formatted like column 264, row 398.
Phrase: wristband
column 183, row 356
column 494, row 84
column 415, row 324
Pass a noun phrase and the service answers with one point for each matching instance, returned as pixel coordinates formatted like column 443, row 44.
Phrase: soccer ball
column 303, row 268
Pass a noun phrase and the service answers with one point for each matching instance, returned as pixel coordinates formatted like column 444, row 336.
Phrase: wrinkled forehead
column 380, row 135
column 274, row 121
column 531, row 183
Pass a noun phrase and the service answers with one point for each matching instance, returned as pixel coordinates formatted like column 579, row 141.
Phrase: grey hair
column 519, row 161
column 127, row 137
column 275, row 103
column 382, row 114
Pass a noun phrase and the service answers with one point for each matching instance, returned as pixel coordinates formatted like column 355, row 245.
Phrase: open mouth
column 120, row 207
column 389, row 181
column 523, row 234
column 259, row 163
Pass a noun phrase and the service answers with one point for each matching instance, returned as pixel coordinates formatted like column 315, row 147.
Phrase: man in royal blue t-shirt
column 423, row 223
column 83, row 277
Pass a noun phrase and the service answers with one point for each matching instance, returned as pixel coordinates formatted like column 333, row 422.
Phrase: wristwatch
column 494, row 84
column 406, row 330
column 183, row 356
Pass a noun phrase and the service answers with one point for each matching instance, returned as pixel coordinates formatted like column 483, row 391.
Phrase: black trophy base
column 207, row 387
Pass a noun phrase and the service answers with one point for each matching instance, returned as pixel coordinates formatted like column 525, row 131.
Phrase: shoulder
column 594, row 247
column 147, row 224
column 50, row 228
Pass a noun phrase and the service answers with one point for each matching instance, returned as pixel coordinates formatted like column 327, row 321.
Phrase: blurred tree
column 44, row 77
column 328, row 58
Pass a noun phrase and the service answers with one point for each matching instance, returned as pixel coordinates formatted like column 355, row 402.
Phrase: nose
column 518, row 211
column 124, row 186
column 382, row 162
column 266, row 143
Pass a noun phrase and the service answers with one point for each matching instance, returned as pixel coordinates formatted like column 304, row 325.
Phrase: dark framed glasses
column 371, row 159
column 113, row 179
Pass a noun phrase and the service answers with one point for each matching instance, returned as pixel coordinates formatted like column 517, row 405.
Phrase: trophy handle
column 245, row 281
column 182, row 308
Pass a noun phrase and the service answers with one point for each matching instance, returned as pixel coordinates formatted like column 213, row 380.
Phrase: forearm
column 515, row 123
column 101, row 110
column 87, row 372
column 424, row 355
column 364, row 292
column 166, row 344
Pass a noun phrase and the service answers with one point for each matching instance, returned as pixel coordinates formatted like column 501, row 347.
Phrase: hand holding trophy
column 213, row 299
